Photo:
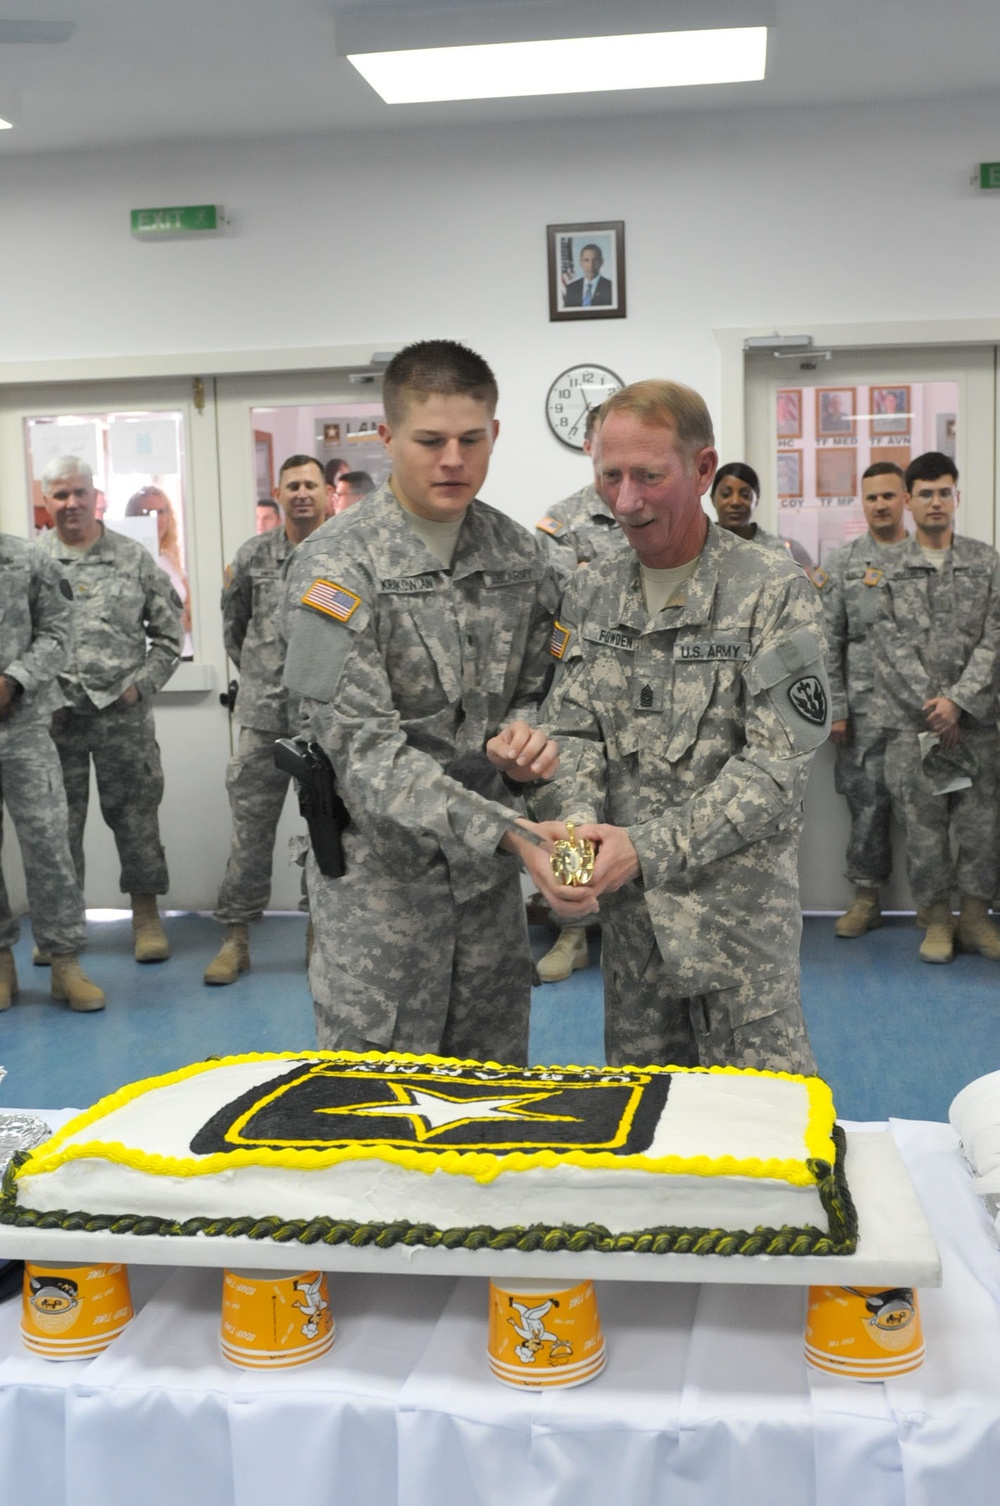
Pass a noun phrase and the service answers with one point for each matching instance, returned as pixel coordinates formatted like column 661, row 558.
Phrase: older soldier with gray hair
column 127, row 637
column 36, row 606
column 689, row 698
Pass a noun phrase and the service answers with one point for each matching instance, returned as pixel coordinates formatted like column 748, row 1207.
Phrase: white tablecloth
column 706, row 1398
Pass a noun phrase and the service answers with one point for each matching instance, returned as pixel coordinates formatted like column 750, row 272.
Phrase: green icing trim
column 833, row 1191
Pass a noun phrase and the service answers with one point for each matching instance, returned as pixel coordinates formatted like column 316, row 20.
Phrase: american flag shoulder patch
column 333, row 600
column 551, row 526
column 559, row 642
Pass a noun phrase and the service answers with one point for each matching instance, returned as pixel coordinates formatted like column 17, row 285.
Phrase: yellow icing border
column 480, row 1165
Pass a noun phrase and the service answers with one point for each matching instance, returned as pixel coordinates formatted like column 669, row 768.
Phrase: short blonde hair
column 665, row 405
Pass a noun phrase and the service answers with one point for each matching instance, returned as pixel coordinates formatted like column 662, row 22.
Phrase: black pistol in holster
column 325, row 813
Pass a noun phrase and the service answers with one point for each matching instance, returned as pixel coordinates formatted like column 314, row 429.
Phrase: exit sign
column 179, row 219
column 989, row 174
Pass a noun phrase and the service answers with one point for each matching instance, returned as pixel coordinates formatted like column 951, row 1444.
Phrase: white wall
column 777, row 219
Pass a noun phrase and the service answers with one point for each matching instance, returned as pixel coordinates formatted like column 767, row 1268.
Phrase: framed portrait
column 890, row 410
column 586, row 270
column 263, row 462
column 834, row 411
column 789, row 473
column 946, row 427
column 789, row 410
column 897, row 455
column 836, row 473
column 331, row 432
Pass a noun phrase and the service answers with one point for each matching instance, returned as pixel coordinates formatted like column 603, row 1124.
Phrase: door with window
column 814, row 422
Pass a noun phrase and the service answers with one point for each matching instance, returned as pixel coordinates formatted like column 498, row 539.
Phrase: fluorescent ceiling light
column 6, row 125
column 580, row 65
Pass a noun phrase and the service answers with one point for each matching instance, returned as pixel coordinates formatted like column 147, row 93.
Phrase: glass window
column 137, row 458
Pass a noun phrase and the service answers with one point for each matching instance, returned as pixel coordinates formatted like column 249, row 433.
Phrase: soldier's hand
column 949, row 739
column 129, row 697
column 7, row 693
column 840, row 733
column 942, row 715
column 523, row 753
column 617, row 860
column 567, row 902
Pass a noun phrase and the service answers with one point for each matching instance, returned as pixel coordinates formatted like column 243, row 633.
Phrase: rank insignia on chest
column 559, row 642
column 334, row 601
column 647, row 695
column 872, row 576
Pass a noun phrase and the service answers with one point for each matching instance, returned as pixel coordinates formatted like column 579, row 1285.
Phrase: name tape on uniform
column 705, row 650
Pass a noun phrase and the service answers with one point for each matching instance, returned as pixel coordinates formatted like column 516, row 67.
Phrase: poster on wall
column 890, row 410
column 834, row 411
column 586, row 266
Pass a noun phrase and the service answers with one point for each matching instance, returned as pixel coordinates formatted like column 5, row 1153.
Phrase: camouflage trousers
column 859, row 775
column 257, row 793
column 34, row 796
column 398, row 965
column 757, row 1023
column 951, row 840
column 122, row 744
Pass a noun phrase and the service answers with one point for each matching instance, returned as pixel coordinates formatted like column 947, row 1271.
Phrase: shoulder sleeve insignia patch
column 819, row 577
column 334, row 601
column 559, row 642
column 551, row 526
column 227, row 577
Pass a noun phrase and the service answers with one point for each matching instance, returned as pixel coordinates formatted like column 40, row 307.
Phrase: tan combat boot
column 938, row 944
column 232, row 958
column 70, row 985
column 568, row 954
column 976, row 932
column 149, row 939
column 864, row 915
column 8, row 978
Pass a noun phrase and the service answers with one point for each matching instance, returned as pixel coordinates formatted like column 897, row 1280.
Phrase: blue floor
column 892, row 1035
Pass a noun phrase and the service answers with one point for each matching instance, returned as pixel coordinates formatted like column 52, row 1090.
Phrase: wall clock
column 573, row 393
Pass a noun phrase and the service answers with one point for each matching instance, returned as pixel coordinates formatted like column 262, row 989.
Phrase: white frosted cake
column 427, row 1150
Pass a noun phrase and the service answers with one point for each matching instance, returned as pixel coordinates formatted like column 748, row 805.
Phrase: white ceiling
column 189, row 70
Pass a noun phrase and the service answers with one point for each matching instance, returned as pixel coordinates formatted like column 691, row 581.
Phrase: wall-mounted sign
column 989, row 174
column 180, row 219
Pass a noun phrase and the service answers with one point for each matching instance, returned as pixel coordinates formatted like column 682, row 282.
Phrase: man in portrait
column 592, row 290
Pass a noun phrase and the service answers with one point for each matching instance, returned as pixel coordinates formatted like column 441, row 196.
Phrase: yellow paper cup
column 71, row 1312
column 544, row 1333
column 271, row 1321
column 866, row 1332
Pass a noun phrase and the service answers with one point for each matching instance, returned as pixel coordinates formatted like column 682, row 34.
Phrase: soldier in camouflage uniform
column 735, row 494
column 689, row 699
column 127, row 637
column 937, row 662
column 252, row 608
column 36, row 608
column 579, row 529
column 851, row 587
column 419, row 623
